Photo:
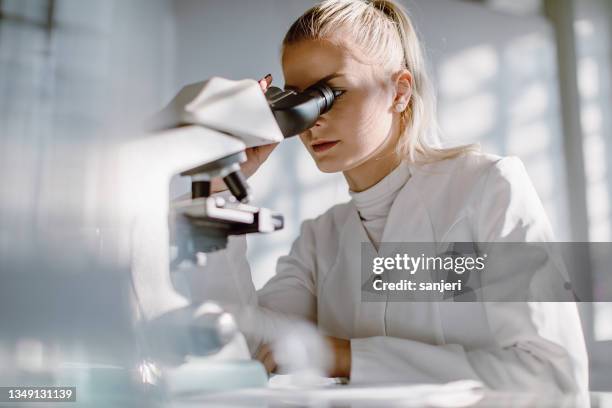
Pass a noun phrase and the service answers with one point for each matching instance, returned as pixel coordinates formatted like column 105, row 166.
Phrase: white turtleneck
column 374, row 203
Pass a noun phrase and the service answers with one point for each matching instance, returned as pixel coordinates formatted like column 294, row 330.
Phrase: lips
column 322, row 146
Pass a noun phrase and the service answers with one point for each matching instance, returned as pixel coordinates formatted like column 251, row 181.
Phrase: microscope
column 293, row 112
column 233, row 111
column 202, row 134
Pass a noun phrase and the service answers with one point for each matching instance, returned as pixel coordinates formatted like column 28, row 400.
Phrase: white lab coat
column 475, row 197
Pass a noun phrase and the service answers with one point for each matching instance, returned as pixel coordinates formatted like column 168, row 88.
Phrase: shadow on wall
column 592, row 30
column 595, row 92
column 496, row 80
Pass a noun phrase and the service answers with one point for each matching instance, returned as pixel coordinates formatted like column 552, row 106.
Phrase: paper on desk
column 238, row 108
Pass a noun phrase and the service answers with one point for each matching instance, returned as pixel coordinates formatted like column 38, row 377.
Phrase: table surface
column 303, row 398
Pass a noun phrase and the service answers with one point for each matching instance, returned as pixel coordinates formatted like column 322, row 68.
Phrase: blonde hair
column 383, row 30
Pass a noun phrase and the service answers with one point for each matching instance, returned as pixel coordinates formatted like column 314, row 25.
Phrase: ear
column 403, row 87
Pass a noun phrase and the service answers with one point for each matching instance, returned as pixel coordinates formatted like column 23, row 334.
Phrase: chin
column 328, row 165
column 328, row 169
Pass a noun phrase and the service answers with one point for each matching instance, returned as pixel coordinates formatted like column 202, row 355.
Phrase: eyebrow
column 324, row 79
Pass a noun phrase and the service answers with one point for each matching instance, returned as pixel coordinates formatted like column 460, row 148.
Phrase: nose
column 318, row 126
column 321, row 120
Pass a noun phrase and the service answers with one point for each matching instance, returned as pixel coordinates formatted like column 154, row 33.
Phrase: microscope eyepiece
column 323, row 95
column 297, row 111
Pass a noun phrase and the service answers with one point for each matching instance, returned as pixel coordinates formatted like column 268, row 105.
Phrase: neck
column 375, row 168
column 370, row 172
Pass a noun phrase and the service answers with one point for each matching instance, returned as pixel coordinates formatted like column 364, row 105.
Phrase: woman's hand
column 255, row 155
column 266, row 357
column 341, row 354
column 340, row 351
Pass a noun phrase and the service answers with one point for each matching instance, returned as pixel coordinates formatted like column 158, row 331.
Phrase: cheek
column 356, row 110
column 369, row 122
column 303, row 137
column 362, row 121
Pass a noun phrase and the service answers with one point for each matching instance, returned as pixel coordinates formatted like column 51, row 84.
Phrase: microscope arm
column 202, row 133
column 146, row 166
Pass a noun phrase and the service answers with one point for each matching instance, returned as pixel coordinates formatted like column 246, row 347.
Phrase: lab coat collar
column 408, row 219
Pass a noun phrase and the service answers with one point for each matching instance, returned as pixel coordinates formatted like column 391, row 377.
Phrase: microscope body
column 202, row 134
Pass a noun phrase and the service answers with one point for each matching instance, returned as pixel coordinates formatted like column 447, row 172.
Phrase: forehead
column 306, row 62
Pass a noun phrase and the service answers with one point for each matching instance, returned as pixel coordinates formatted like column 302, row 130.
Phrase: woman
column 380, row 135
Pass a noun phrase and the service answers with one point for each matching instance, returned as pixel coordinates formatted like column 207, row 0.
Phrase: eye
column 338, row 90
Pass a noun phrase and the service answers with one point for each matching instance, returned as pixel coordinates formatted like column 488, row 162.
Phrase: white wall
column 594, row 53
column 65, row 94
column 496, row 77
column 64, row 97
